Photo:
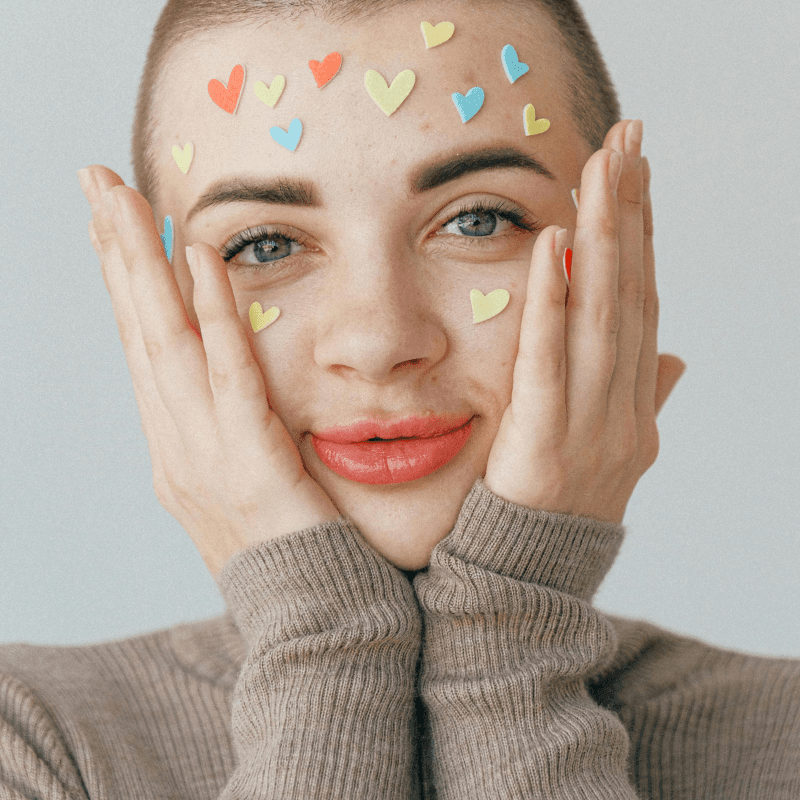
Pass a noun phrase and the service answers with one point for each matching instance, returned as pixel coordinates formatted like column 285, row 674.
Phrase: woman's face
column 370, row 236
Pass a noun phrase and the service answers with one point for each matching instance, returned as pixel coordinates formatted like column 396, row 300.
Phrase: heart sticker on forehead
column 227, row 97
column 183, row 156
column 326, row 71
column 288, row 139
column 389, row 98
column 470, row 104
column 260, row 319
column 269, row 95
column 487, row 306
column 435, row 35
column 512, row 65
column 533, row 125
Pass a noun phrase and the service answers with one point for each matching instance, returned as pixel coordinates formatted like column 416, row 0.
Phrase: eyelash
column 503, row 210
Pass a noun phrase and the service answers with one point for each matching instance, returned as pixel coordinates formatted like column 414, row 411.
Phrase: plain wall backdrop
column 713, row 529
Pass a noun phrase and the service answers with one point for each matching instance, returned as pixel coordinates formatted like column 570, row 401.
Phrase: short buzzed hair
column 593, row 98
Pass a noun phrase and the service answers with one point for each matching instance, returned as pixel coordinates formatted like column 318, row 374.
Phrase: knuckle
column 632, row 292
column 604, row 226
column 153, row 347
column 607, row 318
column 651, row 308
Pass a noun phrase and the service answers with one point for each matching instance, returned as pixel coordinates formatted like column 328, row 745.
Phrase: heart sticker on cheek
column 487, row 306
column 260, row 319
column 227, row 97
column 168, row 237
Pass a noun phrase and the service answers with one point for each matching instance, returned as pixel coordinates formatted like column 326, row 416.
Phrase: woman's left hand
column 588, row 381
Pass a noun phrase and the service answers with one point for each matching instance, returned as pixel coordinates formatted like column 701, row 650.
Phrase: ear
column 670, row 369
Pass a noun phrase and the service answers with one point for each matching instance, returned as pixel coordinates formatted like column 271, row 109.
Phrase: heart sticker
column 533, row 125
column 568, row 264
column 470, row 104
column 168, row 237
column 576, row 196
column 487, row 306
column 269, row 95
column 389, row 98
column 227, row 97
column 512, row 65
column 183, row 156
column 435, row 35
column 260, row 319
column 326, row 71
column 288, row 139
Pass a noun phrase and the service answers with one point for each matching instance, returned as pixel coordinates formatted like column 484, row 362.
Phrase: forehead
column 347, row 141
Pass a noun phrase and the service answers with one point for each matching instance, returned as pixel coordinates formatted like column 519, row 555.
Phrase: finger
column 615, row 137
column 173, row 349
column 157, row 425
column 670, row 370
column 648, row 358
column 593, row 308
column 622, row 391
column 248, row 427
column 538, row 396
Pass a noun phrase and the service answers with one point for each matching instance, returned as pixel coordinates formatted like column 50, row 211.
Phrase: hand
column 588, row 381
column 224, row 465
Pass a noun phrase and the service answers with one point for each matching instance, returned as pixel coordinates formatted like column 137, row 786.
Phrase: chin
column 403, row 522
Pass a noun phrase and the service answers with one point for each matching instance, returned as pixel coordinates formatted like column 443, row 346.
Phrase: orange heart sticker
column 227, row 97
column 325, row 72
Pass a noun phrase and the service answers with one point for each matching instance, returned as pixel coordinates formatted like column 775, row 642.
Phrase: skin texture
column 375, row 313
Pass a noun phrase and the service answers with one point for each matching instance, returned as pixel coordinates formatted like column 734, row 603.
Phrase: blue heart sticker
column 288, row 139
column 470, row 104
column 512, row 65
column 168, row 237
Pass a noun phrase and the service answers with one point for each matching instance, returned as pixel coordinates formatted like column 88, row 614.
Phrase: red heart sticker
column 325, row 71
column 227, row 97
column 568, row 263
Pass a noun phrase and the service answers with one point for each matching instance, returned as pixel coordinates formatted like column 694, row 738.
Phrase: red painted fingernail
column 568, row 264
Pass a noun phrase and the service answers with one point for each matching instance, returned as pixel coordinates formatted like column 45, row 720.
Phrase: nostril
column 413, row 362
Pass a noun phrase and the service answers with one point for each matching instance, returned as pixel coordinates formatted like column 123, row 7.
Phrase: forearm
column 510, row 637
column 324, row 703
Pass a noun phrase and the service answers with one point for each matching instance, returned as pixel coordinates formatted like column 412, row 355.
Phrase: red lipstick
column 404, row 450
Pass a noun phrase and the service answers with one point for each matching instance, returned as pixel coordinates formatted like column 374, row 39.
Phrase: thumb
column 670, row 369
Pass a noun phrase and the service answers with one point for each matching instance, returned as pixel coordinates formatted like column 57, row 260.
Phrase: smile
column 392, row 452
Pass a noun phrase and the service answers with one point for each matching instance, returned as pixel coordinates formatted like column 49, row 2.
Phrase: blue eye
column 482, row 220
column 260, row 246
column 481, row 223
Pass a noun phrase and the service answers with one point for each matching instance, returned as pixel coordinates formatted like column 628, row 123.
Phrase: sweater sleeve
column 324, row 703
column 510, row 640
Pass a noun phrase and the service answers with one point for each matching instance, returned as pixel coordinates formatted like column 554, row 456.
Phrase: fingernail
column 563, row 253
column 84, row 178
column 646, row 172
column 614, row 170
column 633, row 139
column 191, row 260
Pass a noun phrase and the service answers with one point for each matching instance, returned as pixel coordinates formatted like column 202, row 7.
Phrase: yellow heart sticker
column 269, row 95
column 533, row 125
column 435, row 35
column 487, row 306
column 261, row 319
column 389, row 98
column 183, row 156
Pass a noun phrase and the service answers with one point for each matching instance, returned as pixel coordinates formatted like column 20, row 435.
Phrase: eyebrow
column 280, row 191
column 441, row 172
column 289, row 192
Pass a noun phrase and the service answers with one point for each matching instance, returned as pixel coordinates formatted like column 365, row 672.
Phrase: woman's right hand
column 224, row 465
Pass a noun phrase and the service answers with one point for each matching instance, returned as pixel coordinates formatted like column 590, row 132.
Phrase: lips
column 408, row 449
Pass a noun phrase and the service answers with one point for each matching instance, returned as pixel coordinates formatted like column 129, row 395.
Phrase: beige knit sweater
column 331, row 675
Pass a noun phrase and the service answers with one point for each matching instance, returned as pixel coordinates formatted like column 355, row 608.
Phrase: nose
column 379, row 321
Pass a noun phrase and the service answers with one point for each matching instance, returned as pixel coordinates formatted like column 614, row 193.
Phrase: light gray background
column 713, row 543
